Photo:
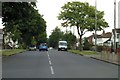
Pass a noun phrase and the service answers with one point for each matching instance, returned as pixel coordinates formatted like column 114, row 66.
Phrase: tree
column 81, row 15
column 56, row 35
column 29, row 22
column 86, row 44
column 70, row 38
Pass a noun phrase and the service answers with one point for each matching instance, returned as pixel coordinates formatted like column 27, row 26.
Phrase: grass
column 82, row 52
column 12, row 51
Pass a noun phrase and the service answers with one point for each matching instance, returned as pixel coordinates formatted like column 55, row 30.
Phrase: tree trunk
column 80, row 43
column 80, row 40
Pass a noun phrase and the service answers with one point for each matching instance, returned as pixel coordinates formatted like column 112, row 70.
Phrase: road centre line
column 49, row 57
column 52, row 71
column 51, row 68
column 50, row 62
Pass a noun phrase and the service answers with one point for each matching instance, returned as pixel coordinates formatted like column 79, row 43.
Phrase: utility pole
column 73, row 30
column 114, row 31
column 96, row 25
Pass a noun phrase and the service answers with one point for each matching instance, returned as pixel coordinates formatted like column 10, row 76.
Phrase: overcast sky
column 51, row 8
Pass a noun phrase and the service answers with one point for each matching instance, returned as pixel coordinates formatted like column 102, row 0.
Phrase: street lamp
column 95, row 25
column 114, row 31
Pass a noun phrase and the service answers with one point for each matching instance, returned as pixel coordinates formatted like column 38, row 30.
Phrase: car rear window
column 32, row 45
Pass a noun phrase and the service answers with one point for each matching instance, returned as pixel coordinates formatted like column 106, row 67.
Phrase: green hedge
column 12, row 52
column 82, row 52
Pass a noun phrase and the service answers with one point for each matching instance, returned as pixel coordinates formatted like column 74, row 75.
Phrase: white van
column 62, row 45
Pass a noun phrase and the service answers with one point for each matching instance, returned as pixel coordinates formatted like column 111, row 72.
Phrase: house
column 102, row 39
column 117, row 37
column 1, row 38
column 90, row 38
column 8, row 42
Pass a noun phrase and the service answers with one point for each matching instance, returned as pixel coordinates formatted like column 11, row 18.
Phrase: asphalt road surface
column 55, row 64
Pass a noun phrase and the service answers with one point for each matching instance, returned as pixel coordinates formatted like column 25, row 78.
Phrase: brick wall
column 109, row 49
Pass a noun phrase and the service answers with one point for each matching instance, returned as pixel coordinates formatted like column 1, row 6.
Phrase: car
column 32, row 47
column 62, row 46
column 43, row 46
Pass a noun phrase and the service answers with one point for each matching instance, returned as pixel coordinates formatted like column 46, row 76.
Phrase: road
column 56, row 64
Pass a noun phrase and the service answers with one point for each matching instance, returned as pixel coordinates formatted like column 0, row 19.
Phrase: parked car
column 43, row 46
column 32, row 47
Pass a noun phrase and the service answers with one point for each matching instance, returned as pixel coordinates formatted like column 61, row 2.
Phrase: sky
column 51, row 9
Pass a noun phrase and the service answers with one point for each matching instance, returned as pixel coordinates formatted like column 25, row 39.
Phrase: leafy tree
column 33, row 41
column 81, row 15
column 29, row 22
column 56, row 35
column 86, row 44
column 70, row 38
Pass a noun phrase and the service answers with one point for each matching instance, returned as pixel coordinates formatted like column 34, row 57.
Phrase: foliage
column 81, row 15
column 22, row 21
column 33, row 41
column 71, row 39
column 82, row 52
column 99, row 48
column 86, row 44
column 12, row 52
column 56, row 35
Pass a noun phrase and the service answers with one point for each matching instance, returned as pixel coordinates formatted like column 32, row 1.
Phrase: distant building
column 103, row 39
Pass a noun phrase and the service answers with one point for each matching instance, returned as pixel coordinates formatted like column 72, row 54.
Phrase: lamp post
column 114, row 31
column 95, row 25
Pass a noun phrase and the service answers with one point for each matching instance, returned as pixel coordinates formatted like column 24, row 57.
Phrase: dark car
column 43, row 46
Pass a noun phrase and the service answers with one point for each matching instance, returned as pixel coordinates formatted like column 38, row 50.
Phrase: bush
column 99, row 48
column 86, row 45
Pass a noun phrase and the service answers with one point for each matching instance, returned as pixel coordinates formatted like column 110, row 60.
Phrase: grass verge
column 82, row 52
column 12, row 52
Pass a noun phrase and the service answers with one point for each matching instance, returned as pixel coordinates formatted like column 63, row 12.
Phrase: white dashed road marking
column 52, row 71
column 50, row 63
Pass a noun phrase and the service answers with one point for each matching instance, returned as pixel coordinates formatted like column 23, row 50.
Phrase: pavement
column 55, row 64
column 106, row 57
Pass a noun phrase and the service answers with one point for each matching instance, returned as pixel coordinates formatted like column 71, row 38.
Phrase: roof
column 104, row 35
column 107, row 35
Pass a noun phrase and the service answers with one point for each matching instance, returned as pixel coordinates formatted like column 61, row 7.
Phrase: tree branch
column 85, row 32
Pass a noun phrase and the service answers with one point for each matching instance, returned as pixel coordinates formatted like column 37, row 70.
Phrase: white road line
column 52, row 71
column 48, row 56
column 50, row 62
column 51, row 68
